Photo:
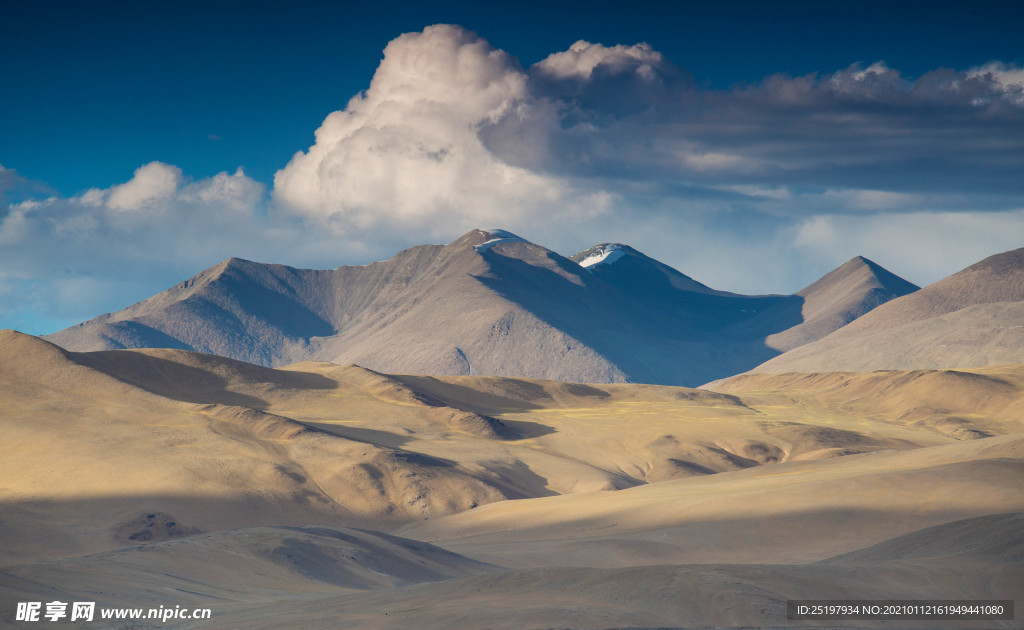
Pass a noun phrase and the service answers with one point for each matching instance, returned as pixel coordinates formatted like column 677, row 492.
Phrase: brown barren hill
column 298, row 496
column 101, row 440
column 972, row 318
column 95, row 443
column 491, row 303
column 838, row 298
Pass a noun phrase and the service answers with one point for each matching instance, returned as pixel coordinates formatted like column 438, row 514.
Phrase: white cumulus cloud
column 151, row 184
column 583, row 58
column 408, row 154
column 1009, row 77
column 235, row 191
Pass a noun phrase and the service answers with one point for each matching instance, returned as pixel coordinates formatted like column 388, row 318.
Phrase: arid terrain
column 514, row 316
column 491, row 303
column 973, row 317
column 326, row 496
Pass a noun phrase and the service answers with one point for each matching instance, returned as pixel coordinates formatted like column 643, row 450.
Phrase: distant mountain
column 972, row 318
column 838, row 298
column 490, row 303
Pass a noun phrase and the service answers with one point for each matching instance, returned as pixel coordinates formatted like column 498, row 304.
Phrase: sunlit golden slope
column 151, row 472
column 217, row 443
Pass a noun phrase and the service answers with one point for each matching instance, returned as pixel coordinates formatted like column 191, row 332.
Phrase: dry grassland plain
column 327, row 496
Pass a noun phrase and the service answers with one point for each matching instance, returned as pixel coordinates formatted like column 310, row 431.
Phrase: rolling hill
column 320, row 493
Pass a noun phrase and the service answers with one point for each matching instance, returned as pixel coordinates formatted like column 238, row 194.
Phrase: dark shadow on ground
column 202, row 385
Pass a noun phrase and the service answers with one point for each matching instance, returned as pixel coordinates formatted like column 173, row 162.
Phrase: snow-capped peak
column 498, row 236
column 603, row 254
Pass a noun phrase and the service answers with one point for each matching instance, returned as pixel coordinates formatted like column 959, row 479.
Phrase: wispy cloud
column 69, row 258
column 914, row 243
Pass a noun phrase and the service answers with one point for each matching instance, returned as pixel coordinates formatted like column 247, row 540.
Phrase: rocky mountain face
column 972, row 318
column 491, row 303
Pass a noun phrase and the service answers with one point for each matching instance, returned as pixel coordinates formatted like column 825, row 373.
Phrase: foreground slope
column 327, row 578
column 784, row 513
column 321, row 494
column 124, row 442
column 694, row 595
column 972, row 318
column 490, row 303
column 118, row 447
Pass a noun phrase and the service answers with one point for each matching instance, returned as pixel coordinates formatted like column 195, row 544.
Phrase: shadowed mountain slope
column 490, row 303
column 972, row 318
column 838, row 298
column 636, row 273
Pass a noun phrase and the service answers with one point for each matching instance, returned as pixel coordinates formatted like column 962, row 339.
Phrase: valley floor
column 324, row 496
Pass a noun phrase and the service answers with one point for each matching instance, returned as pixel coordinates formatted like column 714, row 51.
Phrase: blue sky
column 752, row 145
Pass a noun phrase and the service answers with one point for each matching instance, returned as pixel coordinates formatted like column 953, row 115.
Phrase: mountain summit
column 635, row 272
column 490, row 302
column 841, row 296
column 974, row 317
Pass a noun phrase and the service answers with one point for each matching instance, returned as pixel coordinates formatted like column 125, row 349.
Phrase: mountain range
column 492, row 303
column 972, row 318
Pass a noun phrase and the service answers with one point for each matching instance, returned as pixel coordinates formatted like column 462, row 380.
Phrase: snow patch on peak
column 603, row 254
column 498, row 236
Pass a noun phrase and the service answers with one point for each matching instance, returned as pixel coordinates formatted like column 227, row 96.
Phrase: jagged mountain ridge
column 490, row 302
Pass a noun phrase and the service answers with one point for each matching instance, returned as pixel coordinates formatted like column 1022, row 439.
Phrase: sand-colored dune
column 353, row 447
column 243, row 566
column 330, row 578
column 965, row 404
column 76, row 435
column 660, row 596
column 785, row 513
column 169, row 474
